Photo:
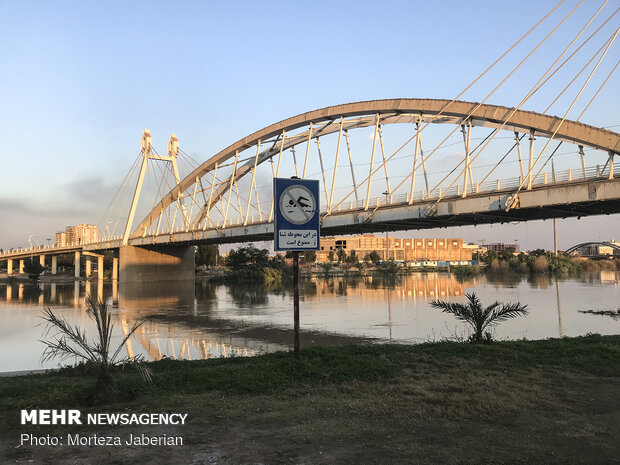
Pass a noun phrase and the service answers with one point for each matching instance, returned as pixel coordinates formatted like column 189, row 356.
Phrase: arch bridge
column 374, row 189
column 383, row 165
column 587, row 247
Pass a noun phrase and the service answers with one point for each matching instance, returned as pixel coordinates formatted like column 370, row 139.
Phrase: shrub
column 70, row 341
column 540, row 265
column 480, row 318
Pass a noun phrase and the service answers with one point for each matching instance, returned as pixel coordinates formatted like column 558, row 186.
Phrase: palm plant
column 480, row 318
column 66, row 341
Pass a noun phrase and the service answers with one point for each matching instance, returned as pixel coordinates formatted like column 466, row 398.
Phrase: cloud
column 76, row 201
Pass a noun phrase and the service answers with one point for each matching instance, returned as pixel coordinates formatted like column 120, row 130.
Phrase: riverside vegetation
column 550, row 401
column 64, row 341
column 250, row 264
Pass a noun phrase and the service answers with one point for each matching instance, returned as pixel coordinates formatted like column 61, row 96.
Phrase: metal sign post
column 296, row 228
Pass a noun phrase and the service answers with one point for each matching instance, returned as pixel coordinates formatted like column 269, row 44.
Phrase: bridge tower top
column 146, row 150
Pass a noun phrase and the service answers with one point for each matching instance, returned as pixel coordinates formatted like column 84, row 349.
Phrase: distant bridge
column 585, row 248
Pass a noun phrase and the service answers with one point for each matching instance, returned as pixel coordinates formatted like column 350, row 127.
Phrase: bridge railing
column 547, row 178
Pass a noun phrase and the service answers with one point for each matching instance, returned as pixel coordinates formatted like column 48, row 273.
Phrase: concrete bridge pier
column 42, row 260
column 89, row 266
column 76, row 265
column 100, row 268
column 9, row 267
column 54, row 264
column 21, row 266
column 156, row 263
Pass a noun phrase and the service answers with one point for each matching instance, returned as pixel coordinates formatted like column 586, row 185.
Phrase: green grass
column 552, row 401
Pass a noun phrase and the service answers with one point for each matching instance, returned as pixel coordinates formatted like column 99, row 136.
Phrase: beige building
column 409, row 249
column 61, row 239
column 77, row 235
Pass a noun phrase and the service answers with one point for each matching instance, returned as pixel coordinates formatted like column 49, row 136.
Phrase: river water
column 201, row 320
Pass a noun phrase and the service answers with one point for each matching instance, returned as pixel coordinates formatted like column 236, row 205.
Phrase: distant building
column 61, row 239
column 77, row 235
column 500, row 247
column 409, row 249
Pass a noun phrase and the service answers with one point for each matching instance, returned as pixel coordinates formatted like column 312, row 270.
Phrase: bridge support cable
column 331, row 194
column 559, row 67
column 437, row 185
column 610, row 42
column 120, row 188
column 295, row 161
column 579, row 118
column 466, row 142
column 424, row 169
column 276, row 174
column 303, row 174
column 474, row 109
column 529, row 95
column 279, row 156
column 503, row 82
column 599, row 90
column 387, row 177
column 530, row 161
column 247, row 212
column 232, row 179
column 126, row 195
column 318, row 148
column 211, row 194
column 346, row 137
column 584, row 67
column 518, row 145
column 607, row 44
column 372, row 160
column 492, row 65
column 415, row 159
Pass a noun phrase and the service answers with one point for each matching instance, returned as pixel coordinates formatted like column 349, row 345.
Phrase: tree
column 352, row 259
column 207, row 255
column 537, row 252
column 372, row 257
column 506, row 254
column 245, row 257
column 480, row 318
column 33, row 269
column 70, row 341
column 341, row 254
column 330, row 256
column 310, row 256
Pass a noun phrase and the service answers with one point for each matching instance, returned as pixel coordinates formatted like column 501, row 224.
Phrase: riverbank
column 551, row 401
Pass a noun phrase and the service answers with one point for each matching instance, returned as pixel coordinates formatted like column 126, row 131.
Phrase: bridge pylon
column 146, row 149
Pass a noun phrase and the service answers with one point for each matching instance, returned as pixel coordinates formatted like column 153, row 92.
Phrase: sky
column 79, row 81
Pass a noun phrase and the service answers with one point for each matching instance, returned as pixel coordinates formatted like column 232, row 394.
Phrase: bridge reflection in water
column 182, row 319
column 187, row 320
